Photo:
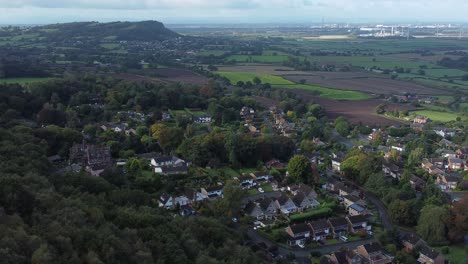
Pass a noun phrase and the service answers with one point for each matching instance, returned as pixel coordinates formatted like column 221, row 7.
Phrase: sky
column 233, row 11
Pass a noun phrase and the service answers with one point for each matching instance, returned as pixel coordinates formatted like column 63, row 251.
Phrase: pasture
column 23, row 81
column 236, row 77
column 436, row 115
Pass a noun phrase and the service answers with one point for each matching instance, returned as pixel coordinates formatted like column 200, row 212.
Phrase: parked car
column 261, row 190
column 234, row 220
column 343, row 238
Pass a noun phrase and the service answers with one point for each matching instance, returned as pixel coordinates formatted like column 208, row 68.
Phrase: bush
column 445, row 250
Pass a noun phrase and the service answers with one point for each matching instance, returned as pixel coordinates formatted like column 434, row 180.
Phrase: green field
column 110, row 46
column 23, row 80
column 212, row 52
column 235, row 77
column 257, row 58
column 328, row 92
column 280, row 82
column 437, row 116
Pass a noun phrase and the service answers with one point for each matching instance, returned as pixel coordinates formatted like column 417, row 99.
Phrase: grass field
column 328, row 92
column 280, row 82
column 257, row 58
column 235, row 77
column 212, row 52
column 437, row 116
column 23, row 80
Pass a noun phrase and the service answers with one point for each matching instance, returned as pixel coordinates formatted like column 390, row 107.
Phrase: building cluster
column 118, row 128
column 281, row 125
column 294, row 199
column 169, row 165
column 370, row 253
column 92, row 158
column 251, row 121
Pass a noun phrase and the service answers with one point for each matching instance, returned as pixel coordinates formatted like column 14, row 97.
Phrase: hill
column 125, row 31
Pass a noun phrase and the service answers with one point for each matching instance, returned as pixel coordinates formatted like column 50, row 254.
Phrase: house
column 170, row 170
column 410, row 242
column 455, row 163
column 448, row 153
column 398, row 147
column 95, row 159
column 193, row 195
column 336, row 160
column 332, row 185
column 443, row 132
column 262, row 176
column 254, row 210
column 374, row 253
column 438, row 162
column 358, row 223
column 303, row 202
column 170, row 202
column 392, row 170
column 304, row 189
column 286, row 205
column 166, row 116
column 213, row 192
column 356, row 209
column 160, row 161
column 339, row 226
column 345, row 256
column 421, row 120
column 462, row 153
column 274, row 164
column 447, row 182
column 269, row 208
column 417, row 183
column 118, row 128
column 203, row 119
column 247, row 182
column 344, row 190
column 320, row 230
column 299, row 234
column 417, row 127
column 428, row 255
column 348, row 200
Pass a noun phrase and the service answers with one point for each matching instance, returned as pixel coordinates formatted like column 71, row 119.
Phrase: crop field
column 364, row 82
column 261, row 69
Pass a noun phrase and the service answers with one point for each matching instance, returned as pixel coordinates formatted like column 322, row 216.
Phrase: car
column 234, row 220
column 370, row 233
column 343, row 238
column 301, row 245
column 261, row 190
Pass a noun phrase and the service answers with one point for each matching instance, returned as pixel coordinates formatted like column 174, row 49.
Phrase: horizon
column 27, row 12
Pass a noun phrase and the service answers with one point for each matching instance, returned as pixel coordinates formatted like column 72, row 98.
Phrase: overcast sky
column 232, row 11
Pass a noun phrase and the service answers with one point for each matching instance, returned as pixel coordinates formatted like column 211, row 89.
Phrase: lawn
column 23, row 80
column 457, row 254
column 437, row 116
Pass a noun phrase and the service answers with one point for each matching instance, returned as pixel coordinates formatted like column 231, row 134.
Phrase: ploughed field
column 363, row 82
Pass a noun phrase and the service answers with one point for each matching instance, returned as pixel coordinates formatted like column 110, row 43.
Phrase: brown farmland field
column 364, row 82
column 179, row 75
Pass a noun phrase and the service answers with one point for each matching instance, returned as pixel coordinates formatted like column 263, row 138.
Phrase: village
column 296, row 216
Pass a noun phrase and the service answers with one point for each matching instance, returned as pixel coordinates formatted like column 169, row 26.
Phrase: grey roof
column 356, row 219
column 339, row 221
column 300, row 228
column 320, row 224
column 429, row 252
column 372, row 247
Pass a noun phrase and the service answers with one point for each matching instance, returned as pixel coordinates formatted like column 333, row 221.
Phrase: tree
column 431, row 224
column 240, row 84
column 458, row 225
column 257, row 81
column 170, row 138
column 342, row 126
column 230, row 203
column 299, row 169
column 400, row 212
column 212, row 67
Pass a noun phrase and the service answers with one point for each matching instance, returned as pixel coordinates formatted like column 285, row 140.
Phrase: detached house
column 337, row 159
column 212, row 192
column 262, row 176
column 428, row 255
column 299, row 234
column 411, row 242
column 320, row 230
column 447, row 182
column 247, row 182
column 358, row 223
column 169, row 165
column 356, row 209
column 339, row 226
column 304, row 203
column 455, row 163
column 254, row 210
column 462, row 153
column 269, row 208
column 417, row 183
column 286, row 205
column 304, row 189
column 374, row 253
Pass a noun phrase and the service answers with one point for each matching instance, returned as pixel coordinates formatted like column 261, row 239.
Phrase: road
column 303, row 254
